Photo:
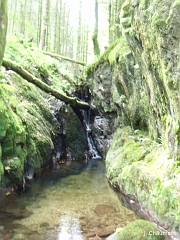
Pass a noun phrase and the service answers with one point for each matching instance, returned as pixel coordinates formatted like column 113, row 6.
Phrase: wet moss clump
column 128, row 146
column 113, row 54
column 140, row 230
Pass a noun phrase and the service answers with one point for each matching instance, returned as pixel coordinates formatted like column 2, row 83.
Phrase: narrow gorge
column 133, row 92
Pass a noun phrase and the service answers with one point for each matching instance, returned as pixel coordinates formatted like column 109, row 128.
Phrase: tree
column 13, row 8
column 56, row 26
column 22, row 17
column 113, row 19
column 110, row 21
column 95, row 34
column 48, row 24
column 39, row 21
column 78, row 52
column 44, row 27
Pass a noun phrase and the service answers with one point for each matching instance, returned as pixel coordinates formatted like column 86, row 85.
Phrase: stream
column 71, row 201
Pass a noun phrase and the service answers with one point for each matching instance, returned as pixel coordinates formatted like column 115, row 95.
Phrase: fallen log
column 72, row 101
column 60, row 57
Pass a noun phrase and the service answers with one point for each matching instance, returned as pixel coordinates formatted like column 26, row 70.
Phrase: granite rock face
column 136, row 83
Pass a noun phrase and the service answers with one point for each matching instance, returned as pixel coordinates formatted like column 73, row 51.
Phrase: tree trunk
column 78, row 49
column 74, row 102
column 39, row 22
column 59, row 34
column 55, row 26
column 118, row 32
column 95, row 34
column 110, row 22
column 44, row 26
column 63, row 22
column 14, row 17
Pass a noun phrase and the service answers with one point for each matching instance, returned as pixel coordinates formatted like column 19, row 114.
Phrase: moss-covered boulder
column 26, row 128
column 142, row 169
column 75, row 135
column 138, row 230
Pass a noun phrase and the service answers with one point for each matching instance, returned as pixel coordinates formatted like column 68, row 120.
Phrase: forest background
column 77, row 29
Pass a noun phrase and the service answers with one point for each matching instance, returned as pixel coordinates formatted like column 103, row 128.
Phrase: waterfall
column 93, row 153
column 59, row 147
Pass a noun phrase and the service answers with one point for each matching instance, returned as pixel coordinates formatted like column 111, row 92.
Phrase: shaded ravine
column 67, row 202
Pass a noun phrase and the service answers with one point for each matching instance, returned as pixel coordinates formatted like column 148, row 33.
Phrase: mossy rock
column 128, row 146
column 1, row 170
column 75, row 139
column 140, row 230
column 15, row 170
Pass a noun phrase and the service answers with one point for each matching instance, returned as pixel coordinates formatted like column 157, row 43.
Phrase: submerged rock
column 104, row 209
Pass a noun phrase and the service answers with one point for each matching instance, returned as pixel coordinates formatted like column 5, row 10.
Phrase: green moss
column 126, row 9
column 127, row 147
column 113, row 54
column 1, row 170
column 16, row 170
column 140, row 230
column 159, row 21
column 26, row 124
column 139, row 166
column 143, row 4
column 118, row 52
column 175, row 7
column 4, row 118
column 75, row 140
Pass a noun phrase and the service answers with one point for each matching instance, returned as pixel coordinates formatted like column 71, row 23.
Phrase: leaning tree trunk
column 74, row 102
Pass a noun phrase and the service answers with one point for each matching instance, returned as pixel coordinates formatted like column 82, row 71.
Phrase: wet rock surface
column 101, row 132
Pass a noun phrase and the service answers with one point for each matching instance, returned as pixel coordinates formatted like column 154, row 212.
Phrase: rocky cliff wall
column 136, row 83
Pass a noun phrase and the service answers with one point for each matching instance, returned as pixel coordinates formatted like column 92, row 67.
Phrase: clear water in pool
column 72, row 201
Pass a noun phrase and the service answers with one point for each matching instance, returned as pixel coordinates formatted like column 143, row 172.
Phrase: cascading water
column 93, row 153
column 60, row 149
column 85, row 116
